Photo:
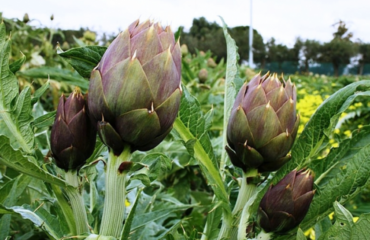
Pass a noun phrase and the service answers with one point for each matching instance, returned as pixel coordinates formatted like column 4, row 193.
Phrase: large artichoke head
column 73, row 135
column 263, row 124
column 285, row 205
column 135, row 92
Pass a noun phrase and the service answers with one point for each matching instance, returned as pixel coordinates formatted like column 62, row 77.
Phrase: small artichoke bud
column 89, row 36
column 263, row 124
column 65, row 45
column 184, row 50
column 286, row 204
column 203, row 75
column 73, row 135
column 26, row 18
column 211, row 63
column 135, row 92
column 52, row 17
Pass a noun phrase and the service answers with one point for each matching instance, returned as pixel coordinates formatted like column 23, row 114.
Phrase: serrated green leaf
column 15, row 111
column 57, row 74
column 361, row 229
column 341, row 230
column 344, row 228
column 84, row 59
column 15, row 66
column 348, row 178
column 40, row 218
column 14, row 159
column 158, row 165
column 190, row 125
column 8, row 82
column 322, row 123
column 192, row 118
column 22, row 117
column 232, row 84
column 328, row 167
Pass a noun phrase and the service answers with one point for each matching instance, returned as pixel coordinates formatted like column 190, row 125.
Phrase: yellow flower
column 310, row 233
column 307, row 106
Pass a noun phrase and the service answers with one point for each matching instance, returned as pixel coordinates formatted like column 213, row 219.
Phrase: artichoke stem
column 115, row 194
column 77, row 202
column 246, row 191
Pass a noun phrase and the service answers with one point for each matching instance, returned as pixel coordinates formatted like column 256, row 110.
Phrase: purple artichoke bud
column 73, row 135
column 263, row 124
column 285, row 205
column 135, row 92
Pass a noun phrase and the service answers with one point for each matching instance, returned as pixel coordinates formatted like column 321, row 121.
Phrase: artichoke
column 203, row 75
column 135, row 92
column 285, row 205
column 263, row 124
column 73, row 135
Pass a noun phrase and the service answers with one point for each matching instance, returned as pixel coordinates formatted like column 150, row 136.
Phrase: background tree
column 340, row 49
column 295, row 52
column 277, row 52
column 241, row 36
column 204, row 35
column 310, row 51
column 364, row 51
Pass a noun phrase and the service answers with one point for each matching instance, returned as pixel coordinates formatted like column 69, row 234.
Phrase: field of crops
column 184, row 186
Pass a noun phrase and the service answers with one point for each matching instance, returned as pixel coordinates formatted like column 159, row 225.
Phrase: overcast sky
column 285, row 20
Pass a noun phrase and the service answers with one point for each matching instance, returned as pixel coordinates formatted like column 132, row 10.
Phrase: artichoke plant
column 285, row 205
column 73, row 134
column 263, row 124
column 135, row 92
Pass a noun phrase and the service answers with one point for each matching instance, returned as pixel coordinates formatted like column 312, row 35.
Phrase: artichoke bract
column 285, row 205
column 135, row 91
column 263, row 124
column 73, row 135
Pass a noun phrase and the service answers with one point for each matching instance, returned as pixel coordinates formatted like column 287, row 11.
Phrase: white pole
column 251, row 64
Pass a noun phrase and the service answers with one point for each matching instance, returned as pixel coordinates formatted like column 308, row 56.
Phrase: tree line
column 339, row 51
